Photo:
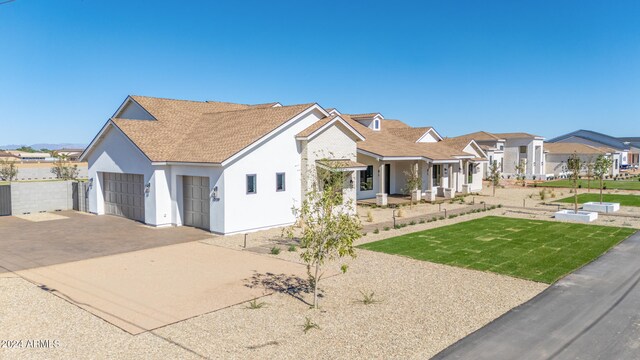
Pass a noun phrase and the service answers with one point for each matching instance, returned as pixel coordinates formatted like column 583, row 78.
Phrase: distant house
column 231, row 168
column 510, row 149
column 71, row 154
column 634, row 147
column 627, row 152
column 557, row 155
column 31, row 156
column 7, row 156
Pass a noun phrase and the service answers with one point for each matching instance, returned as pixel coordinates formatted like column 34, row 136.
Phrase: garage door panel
column 196, row 201
column 124, row 195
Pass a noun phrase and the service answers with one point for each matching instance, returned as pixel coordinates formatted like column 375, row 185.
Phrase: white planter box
column 430, row 195
column 449, row 193
column 605, row 207
column 381, row 199
column 416, row 195
column 466, row 188
column 581, row 216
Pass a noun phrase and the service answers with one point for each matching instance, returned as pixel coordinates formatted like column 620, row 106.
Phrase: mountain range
column 45, row 146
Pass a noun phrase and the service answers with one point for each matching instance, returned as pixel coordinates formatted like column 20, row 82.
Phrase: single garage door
column 124, row 195
column 196, row 201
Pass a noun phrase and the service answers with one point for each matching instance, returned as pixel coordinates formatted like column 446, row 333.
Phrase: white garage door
column 196, row 201
column 124, row 195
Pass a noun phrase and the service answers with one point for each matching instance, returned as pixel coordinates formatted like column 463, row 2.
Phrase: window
column 279, row 181
column 376, row 124
column 436, row 174
column 523, row 149
column 366, row 179
column 252, row 186
column 616, row 164
column 470, row 173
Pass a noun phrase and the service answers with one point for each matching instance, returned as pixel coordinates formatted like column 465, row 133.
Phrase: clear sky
column 545, row 67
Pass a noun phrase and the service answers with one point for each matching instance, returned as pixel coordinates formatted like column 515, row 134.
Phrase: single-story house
column 557, row 154
column 626, row 152
column 509, row 150
column 231, row 168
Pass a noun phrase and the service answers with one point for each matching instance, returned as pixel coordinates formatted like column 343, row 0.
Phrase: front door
column 387, row 178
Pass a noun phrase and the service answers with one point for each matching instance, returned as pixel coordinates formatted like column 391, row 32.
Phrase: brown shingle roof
column 516, row 135
column 570, row 148
column 479, row 136
column 394, row 124
column 385, row 144
column 362, row 116
column 208, row 132
column 410, row 133
column 315, row 126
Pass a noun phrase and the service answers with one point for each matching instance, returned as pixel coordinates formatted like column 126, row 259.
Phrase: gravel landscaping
column 424, row 307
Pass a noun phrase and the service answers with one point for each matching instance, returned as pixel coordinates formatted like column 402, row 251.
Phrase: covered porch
column 387, row 181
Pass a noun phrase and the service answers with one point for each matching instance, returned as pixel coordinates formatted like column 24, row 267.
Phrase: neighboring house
column 31, row 156
column 7, row 156
column 557, row 154
column 510, row 149
column 232, row 168
column 626, row 152
column 634, row 150
column 71, row 154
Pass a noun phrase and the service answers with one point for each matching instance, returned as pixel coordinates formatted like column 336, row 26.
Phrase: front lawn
column 631, row 184
column 624, row 200
column 537, row 250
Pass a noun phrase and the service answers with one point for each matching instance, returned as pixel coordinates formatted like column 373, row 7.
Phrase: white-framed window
column 280, row 182
column 376, row 124
column 252, row 184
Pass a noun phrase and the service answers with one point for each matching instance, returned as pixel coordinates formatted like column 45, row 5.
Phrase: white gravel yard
column 424, row 308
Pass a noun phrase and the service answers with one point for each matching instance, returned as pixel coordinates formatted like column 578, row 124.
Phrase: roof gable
column 595, row 137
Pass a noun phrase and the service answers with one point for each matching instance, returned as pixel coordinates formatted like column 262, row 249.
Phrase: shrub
column 275, row 250
column 397, row 226
column 386, row 228
column 309, row 324
column 452, row 216
column 368, row 298
column 412, row 222
column 376, row 231
column 441, row 218
column 403, row 225
column 434, row 218
column 400, row 213
column 254, row 304
column 422, row 221
column 543, row 194
column 292, row 248
column 369, row 216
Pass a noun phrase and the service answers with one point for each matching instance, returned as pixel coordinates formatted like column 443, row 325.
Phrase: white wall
column 267, row 208
column 116, row 154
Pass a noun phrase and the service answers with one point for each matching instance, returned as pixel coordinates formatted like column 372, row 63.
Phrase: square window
column 252, row 185
column 280, row 183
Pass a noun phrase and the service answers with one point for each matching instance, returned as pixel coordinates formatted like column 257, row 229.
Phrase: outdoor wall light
column 147, row 188
column 214, row 194
column 90, row 181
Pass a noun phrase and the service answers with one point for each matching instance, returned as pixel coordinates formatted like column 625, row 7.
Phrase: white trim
column 124, row 104
column 202, row 164
column 101, row 134
column 260, row 141
column 344, row 169
column 329, row 124
column 439, row 138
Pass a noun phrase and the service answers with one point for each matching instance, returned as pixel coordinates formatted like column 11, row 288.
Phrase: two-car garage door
column 124, row 195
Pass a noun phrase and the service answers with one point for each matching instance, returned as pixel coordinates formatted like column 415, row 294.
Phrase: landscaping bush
column 369, row 216
column 376, row 231
column 292, row 248
column 386, row 228
column 412, row 222
column 396, row 226
column 422, row 221
column 275, row 250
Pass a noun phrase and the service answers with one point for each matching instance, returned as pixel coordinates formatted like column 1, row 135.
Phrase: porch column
column 382, row 177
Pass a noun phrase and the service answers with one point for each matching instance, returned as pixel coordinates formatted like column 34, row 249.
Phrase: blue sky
column 545, row 67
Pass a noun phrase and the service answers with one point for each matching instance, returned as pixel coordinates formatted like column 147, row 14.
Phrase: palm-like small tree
column 601, row 167
column 575, row 166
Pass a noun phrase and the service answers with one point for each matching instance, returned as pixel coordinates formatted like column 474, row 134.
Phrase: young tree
column 63, row 169
column 520, row 172
column 601, row 168
column 414, row 181
column 589, row 167
column 494, row 175
column 575, row 166
column 8, row 170
column 329, row 225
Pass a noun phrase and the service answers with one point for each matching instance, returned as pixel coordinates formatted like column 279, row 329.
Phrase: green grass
column 631, row 184
column 624, row 200
column 537, row 250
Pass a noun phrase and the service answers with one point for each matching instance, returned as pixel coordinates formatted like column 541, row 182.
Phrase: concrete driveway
column 590, row 314
column 54, row 238
column 136, row 277
column 148, row 289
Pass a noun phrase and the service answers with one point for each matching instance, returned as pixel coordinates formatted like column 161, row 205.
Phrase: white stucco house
column 624, row 153
column 510, row 149
column 231, row 168
column 557, row 154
